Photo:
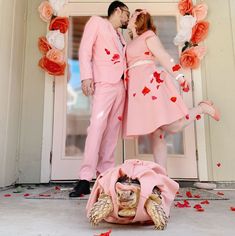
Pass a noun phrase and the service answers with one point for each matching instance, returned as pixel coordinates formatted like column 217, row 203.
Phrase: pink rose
column 55, row 55
column 185, row 7
column 43, row 45
column 45, row 11
column 200, row 31
column 200, row 11
column 189, row 59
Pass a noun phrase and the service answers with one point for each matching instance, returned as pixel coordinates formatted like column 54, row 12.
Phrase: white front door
column 72, row 108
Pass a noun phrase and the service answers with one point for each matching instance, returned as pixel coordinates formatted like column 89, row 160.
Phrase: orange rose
column 59, row 23
column 43, row 45
column 185, row 7
column 46, row 11
column 200, row 31
column 200, row 11
column 56, row 56
column 51, row 67
column 189, row 59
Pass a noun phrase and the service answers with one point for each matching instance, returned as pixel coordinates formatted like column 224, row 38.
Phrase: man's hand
column 88, row 87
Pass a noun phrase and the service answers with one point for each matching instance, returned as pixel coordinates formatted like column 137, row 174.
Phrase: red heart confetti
column 200, row 209
column 120, row 118
column 176, row 67
column 134, row 94
column 158, row 86
column 232, row 208
column 116, row 62
column 26, row 194
column 189, row 194
column 7, row 195
column 44, row 195
column 177, row 192
column 218, row 164
column 173, row 99
column 187, row 117
column 154, row 97
column 161, row 136
column 147, row 53
column 115, row 57
column 157, row 77
column 151, row 81
column 205, row 202
column 105, row 234
column 145, row 91
column 198, row 117
column 220, row 193
column 57, row 188
column 107, row 51
column 197, row 196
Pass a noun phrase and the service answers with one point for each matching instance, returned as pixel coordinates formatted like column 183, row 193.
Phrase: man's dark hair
column 114, row 5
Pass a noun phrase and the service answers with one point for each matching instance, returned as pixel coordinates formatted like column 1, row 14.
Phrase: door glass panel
column 78, row 105
column 166, row 30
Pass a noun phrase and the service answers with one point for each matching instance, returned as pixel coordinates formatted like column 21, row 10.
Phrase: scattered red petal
column 115, row 57
column 157, row 77
column 197, row 206
column 189, row 194
column 158, row 86
column 105, row 234
column 173, row 99
column 147, row 53
column 107, row 51
column 185, row 204
column 161, row 136
column 154, row 97
column 218, row 164
column 197, row 196
column 134, row 94
column 220, row 193
column 44, row 195
column 120, row 118
column 176, row 67
column 198, row 117
column 145, row 90
column 57, row 188
column 232, row 208
column 187, row 117
column 177, row 192
column 205, row 202
column 151, row 81
column 7, row 195
column 200, row 209
column 26, row 194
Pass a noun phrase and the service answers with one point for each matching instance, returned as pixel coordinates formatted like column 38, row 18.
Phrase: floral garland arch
column 52, row 45
column 193, row 30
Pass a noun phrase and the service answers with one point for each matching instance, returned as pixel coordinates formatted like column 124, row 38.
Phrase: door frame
column 48, row 116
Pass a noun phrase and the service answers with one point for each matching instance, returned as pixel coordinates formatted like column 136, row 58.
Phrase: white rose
column 186, row 24
column 57, row 5
column 55, row 39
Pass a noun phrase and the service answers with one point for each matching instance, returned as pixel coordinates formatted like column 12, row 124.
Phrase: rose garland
column 193, row 30
column 52, row 46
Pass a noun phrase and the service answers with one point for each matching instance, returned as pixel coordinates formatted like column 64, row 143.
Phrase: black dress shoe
column 82, row 187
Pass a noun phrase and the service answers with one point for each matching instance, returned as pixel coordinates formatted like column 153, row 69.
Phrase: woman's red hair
column 144, row 22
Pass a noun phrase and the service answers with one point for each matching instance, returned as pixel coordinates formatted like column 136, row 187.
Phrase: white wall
column 12, row 44
column 33, row 100
column 219, row 85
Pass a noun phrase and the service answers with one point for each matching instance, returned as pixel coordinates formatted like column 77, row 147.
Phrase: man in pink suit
column 102, row 65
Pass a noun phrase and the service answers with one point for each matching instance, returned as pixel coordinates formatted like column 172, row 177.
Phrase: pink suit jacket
column 100, row 54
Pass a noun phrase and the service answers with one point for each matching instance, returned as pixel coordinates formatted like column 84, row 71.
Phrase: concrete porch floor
column 34, row 217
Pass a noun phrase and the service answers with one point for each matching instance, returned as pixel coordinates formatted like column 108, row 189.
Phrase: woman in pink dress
column 154, row 106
